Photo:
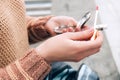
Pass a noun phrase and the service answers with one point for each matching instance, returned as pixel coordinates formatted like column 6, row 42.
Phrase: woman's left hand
column 59, row 21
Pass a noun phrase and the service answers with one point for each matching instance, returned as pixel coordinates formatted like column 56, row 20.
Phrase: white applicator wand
column 95, row 30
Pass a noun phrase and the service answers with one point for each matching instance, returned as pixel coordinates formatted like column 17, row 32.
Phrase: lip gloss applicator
column 95, row 21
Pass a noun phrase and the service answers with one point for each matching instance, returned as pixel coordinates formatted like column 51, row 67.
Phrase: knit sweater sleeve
column 31, row 67
column 36, row 28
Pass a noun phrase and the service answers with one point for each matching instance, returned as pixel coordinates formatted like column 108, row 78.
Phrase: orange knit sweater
column 14, row 44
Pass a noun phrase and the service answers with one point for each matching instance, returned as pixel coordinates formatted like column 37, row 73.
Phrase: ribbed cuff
column 34, row 65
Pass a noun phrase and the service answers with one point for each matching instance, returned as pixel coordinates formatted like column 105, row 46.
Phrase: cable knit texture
column 30, row 67
column 14, row 44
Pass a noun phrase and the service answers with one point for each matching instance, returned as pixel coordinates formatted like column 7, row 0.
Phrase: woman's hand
column 51, row 22
column 59, row 21
column 71, row 46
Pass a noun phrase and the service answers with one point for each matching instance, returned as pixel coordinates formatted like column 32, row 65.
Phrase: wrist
column 43, row 55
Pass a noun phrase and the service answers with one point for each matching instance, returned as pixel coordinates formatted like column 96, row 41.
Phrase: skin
column 53, row 22
column 61, row 20
column 58, row 21
column 72, row 45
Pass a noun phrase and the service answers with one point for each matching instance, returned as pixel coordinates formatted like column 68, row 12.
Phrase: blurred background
column 107, row 62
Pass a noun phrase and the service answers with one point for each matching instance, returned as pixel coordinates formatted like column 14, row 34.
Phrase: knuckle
column 98, row 50
column 99, row 46
column 72, row 19
column 76, row 60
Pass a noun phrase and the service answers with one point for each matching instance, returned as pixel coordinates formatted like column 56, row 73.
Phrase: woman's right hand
column 70, row 46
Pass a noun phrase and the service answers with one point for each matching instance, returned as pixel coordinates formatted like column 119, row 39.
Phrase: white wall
column 110, row 14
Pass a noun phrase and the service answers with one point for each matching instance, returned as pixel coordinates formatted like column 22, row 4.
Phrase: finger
column 87, row 53
column 64, row 30
column 85, row 28
column 91, row 44
column 70, row 29
column 40, row 20
column 81, row 35
column 91, row 52
column 99, row 38
column 50, row 27
column 77, row 29
column 74, row 22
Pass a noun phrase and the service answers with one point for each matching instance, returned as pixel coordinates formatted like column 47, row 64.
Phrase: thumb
column 83, row 35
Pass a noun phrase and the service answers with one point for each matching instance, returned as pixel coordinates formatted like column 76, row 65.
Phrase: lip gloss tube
column 95, row 30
